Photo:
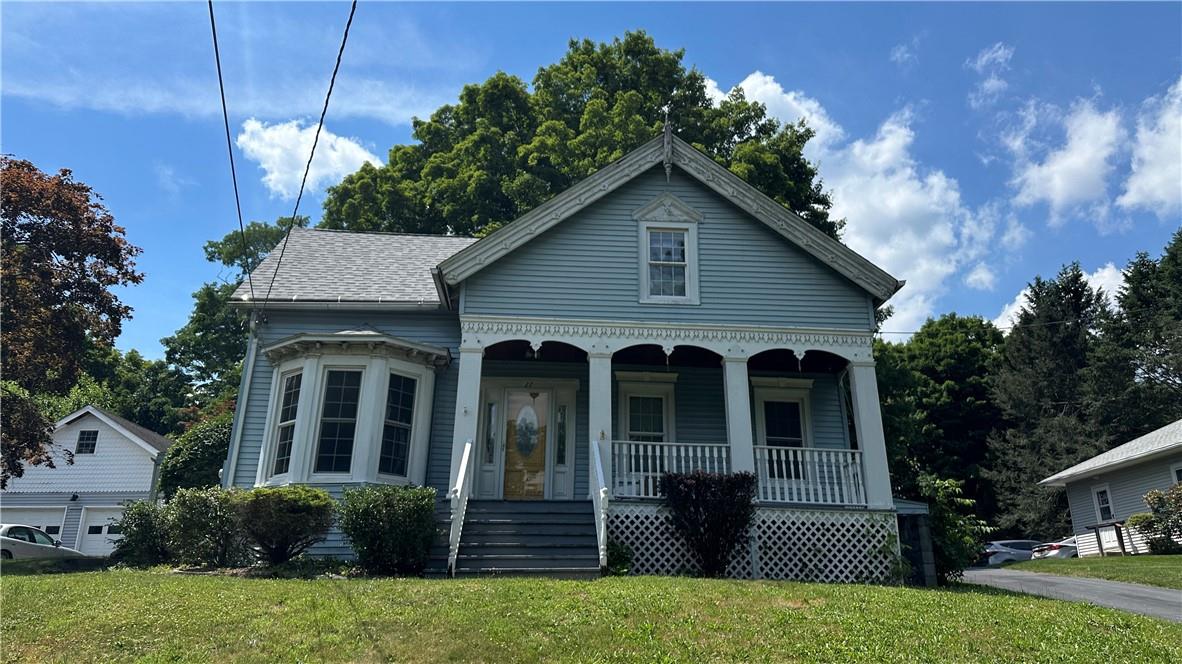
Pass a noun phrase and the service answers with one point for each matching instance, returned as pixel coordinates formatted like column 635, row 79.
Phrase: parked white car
column 18, row 542
column 1007, row 551
column 1061, row 549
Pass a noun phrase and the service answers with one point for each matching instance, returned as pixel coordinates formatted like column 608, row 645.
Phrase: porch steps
column 528, row 537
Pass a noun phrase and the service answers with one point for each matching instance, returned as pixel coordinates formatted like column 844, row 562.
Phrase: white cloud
column 1074, row 175
column 989, row 63
column 1107, row 278
column 713, row 92
column 1155, row 182
column 903, row 55
column 1016, row 234
column 790, row 106
column 981, row 278
column 169, row 180
column 282, row 149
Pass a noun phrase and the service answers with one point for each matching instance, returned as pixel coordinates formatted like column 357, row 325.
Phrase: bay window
column 288, row 409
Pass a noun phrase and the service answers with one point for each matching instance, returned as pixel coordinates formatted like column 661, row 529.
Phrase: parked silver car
column 1007, row 551
column 1061, row 549
column 24, row 542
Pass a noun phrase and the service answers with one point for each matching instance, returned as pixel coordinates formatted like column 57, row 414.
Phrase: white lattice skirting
column 786, row 543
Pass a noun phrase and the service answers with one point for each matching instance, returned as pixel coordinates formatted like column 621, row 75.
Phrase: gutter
column 337, row 305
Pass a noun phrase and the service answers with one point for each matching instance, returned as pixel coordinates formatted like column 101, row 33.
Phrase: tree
column 1040, row 388
column 62, row 255
column 194, row 460
column 503, row 148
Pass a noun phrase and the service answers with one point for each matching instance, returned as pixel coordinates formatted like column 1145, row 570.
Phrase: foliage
column 144, row 540
column 506, row 147
column 203, row 528
column 1165, row 529
column 957, row 533
column 1150, row 570
column 712, row 513
column 619, row 558
column 282, row 522
column 244, row 250
column 147, row 616
column 391, row 527
column 62, row 254
column 197, row 455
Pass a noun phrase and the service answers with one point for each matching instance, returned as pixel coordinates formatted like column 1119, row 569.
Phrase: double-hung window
column 1103, row 504
column 338, row 421
column 667, row 230
column 667, row 264
column 646, row 418
column 396, row 430
column 285, row 431
column 87, row 441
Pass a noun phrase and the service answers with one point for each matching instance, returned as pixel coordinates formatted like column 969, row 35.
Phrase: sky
column 969, row 146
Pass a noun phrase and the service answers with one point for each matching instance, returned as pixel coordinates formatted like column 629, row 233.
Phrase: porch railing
column 637, row 466
column 599, row 500
column 809, row 475
column 459, row 504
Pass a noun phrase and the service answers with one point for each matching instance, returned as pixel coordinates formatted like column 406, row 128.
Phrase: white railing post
column 809, row 475
column 600, row 497
column 739, row 433
column 459, row 505
column 599, row 398
column 868, row 424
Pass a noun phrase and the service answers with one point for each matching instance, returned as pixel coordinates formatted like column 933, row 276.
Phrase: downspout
column 231, row 463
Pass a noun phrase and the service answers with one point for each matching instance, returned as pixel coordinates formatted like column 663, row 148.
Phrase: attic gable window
column 668, row 242
column 87, row 441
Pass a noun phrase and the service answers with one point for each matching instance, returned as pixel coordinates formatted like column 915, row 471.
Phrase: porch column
column 868, row 424
column 599, row 398
column 467, row 407
column 738, row 414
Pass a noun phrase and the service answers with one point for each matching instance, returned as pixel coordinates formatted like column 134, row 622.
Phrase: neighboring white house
column 115, row 461
column 1109, row 487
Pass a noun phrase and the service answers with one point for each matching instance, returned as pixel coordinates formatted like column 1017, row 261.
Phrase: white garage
column 49, row 519
column 96, row 534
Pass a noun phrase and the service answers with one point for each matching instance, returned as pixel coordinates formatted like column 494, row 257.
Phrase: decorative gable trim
column 102, row 417
column 667, row 207
column 669, row 149
column 357, row 342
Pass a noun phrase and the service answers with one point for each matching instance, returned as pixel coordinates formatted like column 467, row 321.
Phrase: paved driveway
column 1146, row 600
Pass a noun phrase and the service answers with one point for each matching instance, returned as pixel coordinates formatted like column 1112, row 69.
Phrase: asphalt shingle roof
column 1166, row 438
column 147, row 435
column 338, row 266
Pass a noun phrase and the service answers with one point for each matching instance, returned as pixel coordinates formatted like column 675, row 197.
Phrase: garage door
column 97, row 534
column 48, row 519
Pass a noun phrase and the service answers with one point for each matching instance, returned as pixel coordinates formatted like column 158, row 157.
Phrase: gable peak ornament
column 668, row 147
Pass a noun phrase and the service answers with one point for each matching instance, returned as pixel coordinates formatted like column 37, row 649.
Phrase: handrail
column 459, row 506
column 810, row 475
column 599, row 500
column 637, row 466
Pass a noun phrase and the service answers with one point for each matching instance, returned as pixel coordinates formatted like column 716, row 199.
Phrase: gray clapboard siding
column 587, row 267
column 440, row 329
column 1126, row 489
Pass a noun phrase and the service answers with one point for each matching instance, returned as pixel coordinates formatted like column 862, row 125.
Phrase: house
column 1106, row 489
column 661, row 315
column 115, row 461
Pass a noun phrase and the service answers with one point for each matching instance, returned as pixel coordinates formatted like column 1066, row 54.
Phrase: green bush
column 144, row 542
column 282, row 522
column 957, row 533
column 196, row 457
column 712, row 512
column 619, row 558
column 203, row 528
column 1162, row 525
column 391, row 527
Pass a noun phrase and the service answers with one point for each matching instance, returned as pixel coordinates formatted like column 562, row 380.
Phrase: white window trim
column 371, row 407
column 647, row 384
column 78, row 441
column 1096, row 503
column 690, row 228
column 800, row 395
column 1174, row 473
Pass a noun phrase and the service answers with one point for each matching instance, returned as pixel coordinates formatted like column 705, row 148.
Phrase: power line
column 217, row 58
column 316, row 139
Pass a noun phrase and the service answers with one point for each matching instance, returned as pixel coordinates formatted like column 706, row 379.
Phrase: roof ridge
column 387, row 233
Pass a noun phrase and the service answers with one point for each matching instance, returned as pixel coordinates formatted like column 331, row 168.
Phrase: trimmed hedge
column 282, row 522
column 391, row 527
column 145, row 540
column 203, row 529
column 712, row 512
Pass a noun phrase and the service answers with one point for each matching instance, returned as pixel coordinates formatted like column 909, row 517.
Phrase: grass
column 124, row 615
column 1164, row 571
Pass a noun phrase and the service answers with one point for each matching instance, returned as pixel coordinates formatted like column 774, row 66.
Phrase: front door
column 526, row 440
column 527, row 434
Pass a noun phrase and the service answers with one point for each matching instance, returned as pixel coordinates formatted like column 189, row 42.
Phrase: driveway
column 1146, row 600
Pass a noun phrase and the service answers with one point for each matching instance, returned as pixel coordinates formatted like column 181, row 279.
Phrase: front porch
column 566, row 412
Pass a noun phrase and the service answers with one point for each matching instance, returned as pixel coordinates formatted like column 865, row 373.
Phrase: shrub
column 1162, row 525
column 712, row 512
column 957, row 533
column 282, row 522
column 203, row 528
column 391, row 527
column 619, row 558
column 196, row 457
column 144, row 542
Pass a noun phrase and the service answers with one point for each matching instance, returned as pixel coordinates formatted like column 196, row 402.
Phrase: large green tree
column 505, row 147
column 63, row 255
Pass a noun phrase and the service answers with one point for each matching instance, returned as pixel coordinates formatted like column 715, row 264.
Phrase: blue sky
column 969, row 146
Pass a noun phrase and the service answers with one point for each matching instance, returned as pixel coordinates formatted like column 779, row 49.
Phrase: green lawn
column 158, row 617
column 1164, row 571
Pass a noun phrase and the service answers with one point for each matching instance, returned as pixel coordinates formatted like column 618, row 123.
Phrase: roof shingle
column 1155, row 442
